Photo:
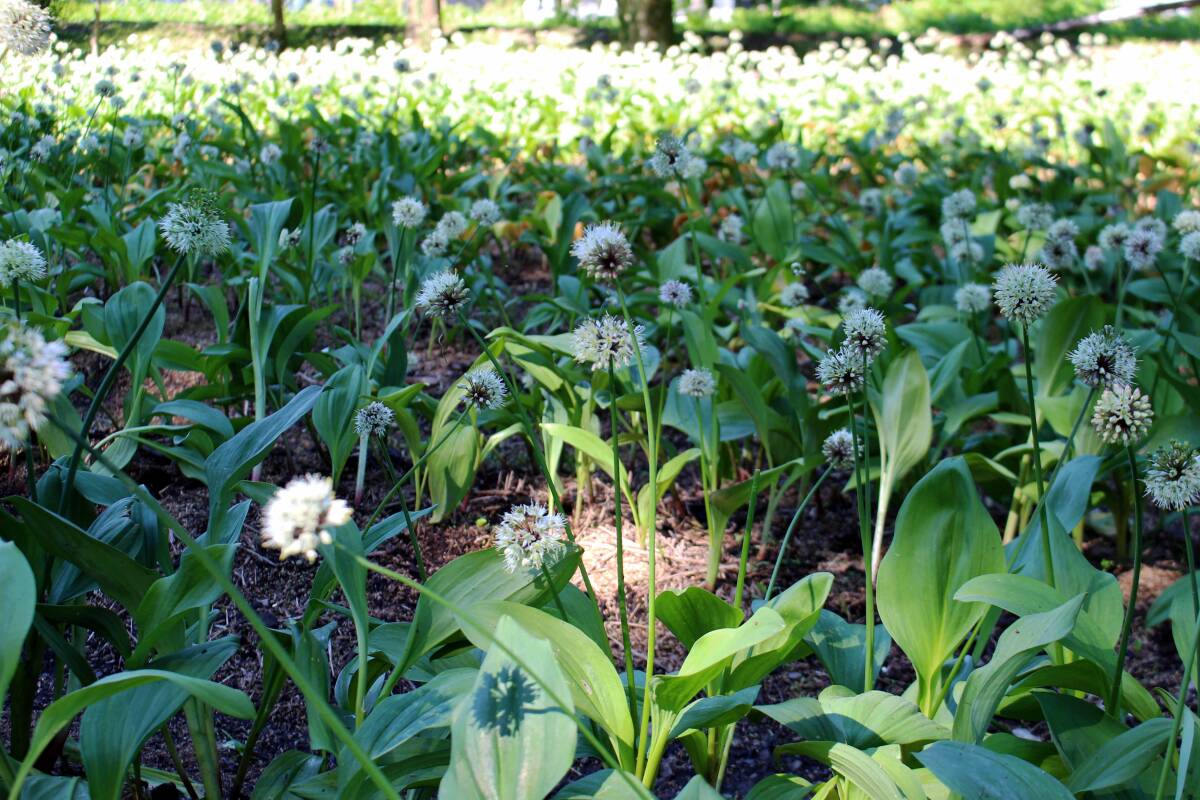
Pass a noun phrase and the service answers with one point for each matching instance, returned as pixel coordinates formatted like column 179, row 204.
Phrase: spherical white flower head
column 289, row 239
column 740, row 150
column 876, row 282
column 955, row 232
column 1024, row 292
column 866, row 334
column 1142, row 248
column 1062, row 229
column 1058, row 253
column 452, row 225
column 675, row 293
column 483, row 389
column 195, row 227
column 21, row 261
column 906, row 174
column 1104, row 358
column 24, row 27
column 968, row 252
column 692, row 167
column 132, row 137
column 408, row 212
column 355, row 233
column 1122, row 415
column 270, row 153
column 32, row 372
column 1152, row 224
column 783, row 156
column 605, row 341
column 374, row 419
column 1035, row 216
column 697, row 383
column 1187, row 221
column 442, row 295
column 529, row 536
column 603, row 251
column 730, row 229
column 434, row 245
column 1113, row 237
column 485, row 212
column 840, row 372
column 971, row 298
column 1189, row 246
column 298, row 517
column 959, row 204
column 670, row 156
column 838, row 449
column 1093, row 258
column 799, row 190
column 1020, row 181
column 1173, row 477
column 794, row 294
column 871, row 201
column 851, row 300
column 105, row 88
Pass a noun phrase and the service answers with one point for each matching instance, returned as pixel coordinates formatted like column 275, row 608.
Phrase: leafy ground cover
column 490, row 422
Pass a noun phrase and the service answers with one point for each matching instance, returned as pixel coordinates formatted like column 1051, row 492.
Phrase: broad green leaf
column 711, row 712
column 451, row 468
column 698, row 789
column 865, row 721
column 233, row 460
column 605, row 784
column 780, row 787
column 1122, row 758
column 692, row 612
column 59, row 714
column 800, row 607
column 851, row 763
column 841, row 646
column 592, row 446
column 333, row 414
column 510, row 738
column 943, row 537
column 977, row 773
column 1019, row 643
column 114, row 729
column 188, row 588
column 1068, row 322
column 596, row 688
column 18, row 597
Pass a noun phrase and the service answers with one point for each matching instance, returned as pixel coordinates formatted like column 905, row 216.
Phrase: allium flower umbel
column 1142, row 248
column 483, row 388
column 32, row 372
column 840, row 372
column 1024, row 292
column 21, row 261
column 866, row 334
column 485, row 212
column 373, row 419
column 1187, row 221
column 838, row 449
column 298, row 518
column 442, row 295
column 959, row 204
column 697, row 383
column 408, row 212
column 195, row 227
column 603, row 251
column 793, row 295
column 529, row 536
column 1122, row 415
column 1104, row 358
column 24, row 27
column 971, row 298
column 675, row 293
column 673, row 158
column 1173, row 477
column 1113, row 237
column 605, row 341
column 1189, row 246
column 876, row 282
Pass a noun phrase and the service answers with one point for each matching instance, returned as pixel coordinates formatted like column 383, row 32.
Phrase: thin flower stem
column 106, row 384
column 391, row 301
column 751, row 507
column 706, row 488
column 1066, row 455
column 787, row 536
column 562, row 612
column 1184, row 685
column 1114, row 697
column 1043, row 516
column 618, row 521
column 312, row 227
column 1190, row 555
column 864, row 532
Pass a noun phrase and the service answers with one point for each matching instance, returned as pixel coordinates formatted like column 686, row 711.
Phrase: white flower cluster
column 1122, row 415
column 408, row 212
column 603, row 251
column 483, row 389
column 24, row 27
column 32, row 373
column 1173, row 477
column 20, row 261
column 374, row 419
column 672, row 158
column 838, row 449
column 606, row 341
column 442, row 295
column 298, row 518
column 1104, row 358
column 1024, row 292
column 529, row 536
column 675, row 293
column 195, row 228
column 697, row 383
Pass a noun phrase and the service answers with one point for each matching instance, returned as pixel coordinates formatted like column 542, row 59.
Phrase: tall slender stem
column 751, row 507
column 1043, row 517
column 787, row 536
column 1184, row 685
column 618, row 522
column 864, row 532
column 1068, row 447
column 1114, row 697
column 110, row 377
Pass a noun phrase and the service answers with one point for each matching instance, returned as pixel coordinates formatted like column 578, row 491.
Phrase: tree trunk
column 646, row 21
column 426, row 18
column 278, row 29
column 96, row 31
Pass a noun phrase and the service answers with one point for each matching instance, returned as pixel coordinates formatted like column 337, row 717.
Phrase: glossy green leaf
column 841, row 647
column 977, row 773
column 18, row 597
column 865, row 721
column 333, row 415
column 692, row 612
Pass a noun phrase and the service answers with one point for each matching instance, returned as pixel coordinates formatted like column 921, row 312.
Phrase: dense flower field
column 955, row 289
